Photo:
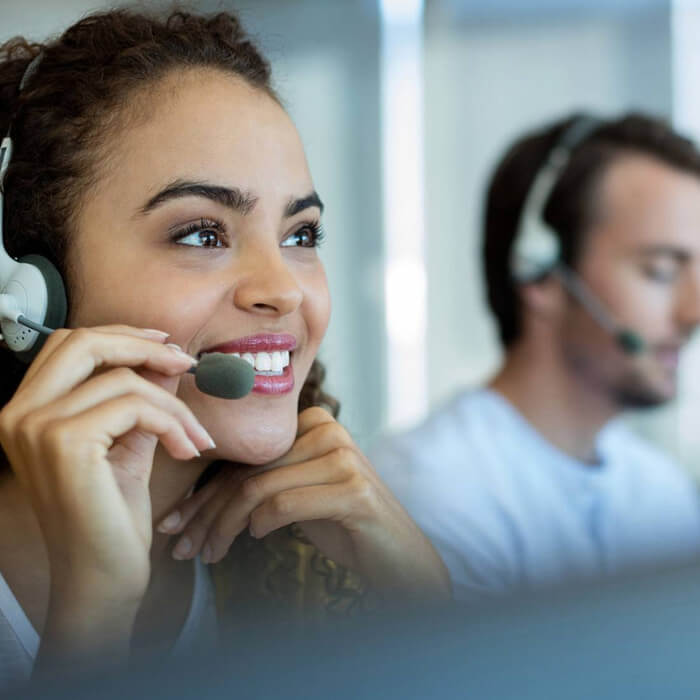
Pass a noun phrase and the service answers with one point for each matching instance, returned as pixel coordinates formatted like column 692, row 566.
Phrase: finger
column 312, row 417
column 84, row 351
column 59, row 335
column 316, row 441
column 101, row 426
column 120, row 382
column 252, row 492
column 192, row 541
column 177, row 520
column 328, row 502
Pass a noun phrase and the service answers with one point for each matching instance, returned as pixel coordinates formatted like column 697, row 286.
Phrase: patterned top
column 285, row 576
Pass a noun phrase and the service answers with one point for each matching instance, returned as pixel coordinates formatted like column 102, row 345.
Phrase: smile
column 269, row 354
column 269, row 364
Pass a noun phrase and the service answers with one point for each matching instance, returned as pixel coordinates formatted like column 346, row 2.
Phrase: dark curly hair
column 62, row 120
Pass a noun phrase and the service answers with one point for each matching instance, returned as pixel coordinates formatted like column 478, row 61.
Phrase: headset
column 33, row 303
column 33, row 299
column 536, row 251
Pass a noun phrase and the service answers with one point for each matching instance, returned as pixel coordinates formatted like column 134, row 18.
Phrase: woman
column 155, row 167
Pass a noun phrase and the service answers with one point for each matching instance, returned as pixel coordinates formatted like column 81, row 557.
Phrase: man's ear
column 545, row 298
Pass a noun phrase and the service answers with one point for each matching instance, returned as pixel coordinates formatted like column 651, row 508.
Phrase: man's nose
column 688, row 305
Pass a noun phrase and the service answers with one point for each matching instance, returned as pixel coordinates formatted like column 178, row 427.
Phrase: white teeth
column 263, row 362
column 266, row 362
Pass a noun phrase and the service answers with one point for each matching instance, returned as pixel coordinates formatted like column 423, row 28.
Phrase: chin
column 646, row 396
column 250, row 431
column 256, row 445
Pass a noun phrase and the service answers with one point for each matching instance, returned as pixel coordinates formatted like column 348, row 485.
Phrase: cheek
column 152, row 298
column 632, row 299
column 317, row 306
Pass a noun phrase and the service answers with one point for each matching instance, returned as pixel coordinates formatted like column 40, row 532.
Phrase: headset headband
column 536, row 247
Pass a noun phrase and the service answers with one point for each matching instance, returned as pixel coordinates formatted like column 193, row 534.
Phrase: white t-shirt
column 19, row 641
column 508, row 511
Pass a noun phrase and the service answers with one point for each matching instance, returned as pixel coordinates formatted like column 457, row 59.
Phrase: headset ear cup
column 57, row 305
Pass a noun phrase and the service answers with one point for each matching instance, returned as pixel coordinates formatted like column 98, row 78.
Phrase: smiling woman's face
column 204, row 225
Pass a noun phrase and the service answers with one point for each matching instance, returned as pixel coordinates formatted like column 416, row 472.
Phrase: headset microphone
column 536, row 249
column 224, row 376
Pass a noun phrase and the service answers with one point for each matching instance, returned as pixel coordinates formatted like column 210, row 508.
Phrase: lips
column 263, row 342
column 269, row 354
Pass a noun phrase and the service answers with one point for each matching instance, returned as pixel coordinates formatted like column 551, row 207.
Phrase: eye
column 201, row 234
column 664, row 272
column 308, row 236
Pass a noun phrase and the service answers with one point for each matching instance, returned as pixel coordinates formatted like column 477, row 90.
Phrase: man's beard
column 633, row 391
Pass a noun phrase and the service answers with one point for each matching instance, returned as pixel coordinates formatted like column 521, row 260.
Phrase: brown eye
column 306, row 237
column 201, row 235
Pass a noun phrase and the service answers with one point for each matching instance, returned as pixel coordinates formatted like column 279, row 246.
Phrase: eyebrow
column 679, row 254
column 231, row 197
column 297, row 205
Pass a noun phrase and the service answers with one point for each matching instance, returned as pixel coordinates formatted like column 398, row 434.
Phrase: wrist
column 86, row 630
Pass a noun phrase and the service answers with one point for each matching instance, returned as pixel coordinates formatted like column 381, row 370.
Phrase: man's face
column 642, row 259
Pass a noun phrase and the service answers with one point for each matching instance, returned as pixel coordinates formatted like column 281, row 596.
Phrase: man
column 592, row 261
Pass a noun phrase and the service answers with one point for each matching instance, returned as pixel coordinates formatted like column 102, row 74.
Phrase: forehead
column 210, row 126
column 644, row 202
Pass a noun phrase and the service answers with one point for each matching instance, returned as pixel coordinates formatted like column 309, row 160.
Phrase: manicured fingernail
column 182, row 548
column 155, row 331
column 206, row 554
column 170, row 523
column 179, row 351
column 205, row 437
column 195, row 451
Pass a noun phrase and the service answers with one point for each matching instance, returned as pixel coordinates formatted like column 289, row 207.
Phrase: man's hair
column 570, row 208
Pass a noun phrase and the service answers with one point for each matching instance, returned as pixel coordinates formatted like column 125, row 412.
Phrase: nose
column 688, row 305
column 266, row 284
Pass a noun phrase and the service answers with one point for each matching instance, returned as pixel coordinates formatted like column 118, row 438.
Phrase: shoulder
column 451, row 477
column 453, row 425
column 646, row 469
column 621, row 444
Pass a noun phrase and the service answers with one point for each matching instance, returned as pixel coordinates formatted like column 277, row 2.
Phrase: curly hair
column 63, row 118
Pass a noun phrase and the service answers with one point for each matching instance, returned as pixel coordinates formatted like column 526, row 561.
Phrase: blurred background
column 404, row 107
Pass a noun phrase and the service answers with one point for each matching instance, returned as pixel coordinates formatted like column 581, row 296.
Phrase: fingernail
column 182, row 548
column 179, row 351
column 170, row 523
column 206, row 554
column 195, row 451
column 155, row 331
column 207, row 437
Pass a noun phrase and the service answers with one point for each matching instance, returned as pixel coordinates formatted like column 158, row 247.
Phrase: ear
column 545, row 298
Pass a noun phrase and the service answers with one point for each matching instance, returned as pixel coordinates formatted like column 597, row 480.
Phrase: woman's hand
column 80, row 434
column 325, row 484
